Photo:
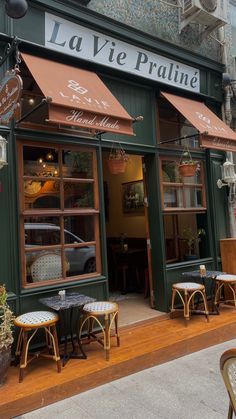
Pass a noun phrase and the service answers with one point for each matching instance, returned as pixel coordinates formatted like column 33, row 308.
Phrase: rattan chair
column 29, row 324
column 46, row 266
column 225, row 281
column 228, row 371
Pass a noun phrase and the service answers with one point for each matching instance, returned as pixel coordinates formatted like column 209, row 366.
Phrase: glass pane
column 193, row 197
column 170, row 171
column 41, row 194
column 78, row 195
column 173, row 197
column 170, row 226
column 80, row 260
column 40, row 161
column 79, row 229
column 42, row 231
column 43, row 266
column 78, row 164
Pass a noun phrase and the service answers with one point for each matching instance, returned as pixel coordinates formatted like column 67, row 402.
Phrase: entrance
column 127, row 234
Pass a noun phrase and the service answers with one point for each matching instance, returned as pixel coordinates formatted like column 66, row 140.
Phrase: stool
column 186, row 291
column 107, row 310
column 32, row 322
column 221, row 281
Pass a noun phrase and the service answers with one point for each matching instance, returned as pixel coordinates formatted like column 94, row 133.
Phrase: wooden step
column 143, row 345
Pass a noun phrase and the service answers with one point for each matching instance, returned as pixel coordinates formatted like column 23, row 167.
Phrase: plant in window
column 191, row 237
column 6, row 334
column 118, row 159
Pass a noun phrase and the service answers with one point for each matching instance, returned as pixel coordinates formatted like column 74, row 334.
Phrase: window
column 181, row 193
column 173, row 125
column 59, row 211
column 184, row 212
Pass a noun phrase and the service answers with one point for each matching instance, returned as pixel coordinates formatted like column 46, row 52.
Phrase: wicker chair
column 228, row 371
column 46, row 266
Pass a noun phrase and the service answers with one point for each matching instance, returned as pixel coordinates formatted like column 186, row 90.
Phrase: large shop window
column 59, row 210
column 184, row 213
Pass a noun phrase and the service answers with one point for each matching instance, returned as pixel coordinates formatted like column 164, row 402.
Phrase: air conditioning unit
column 210, row 13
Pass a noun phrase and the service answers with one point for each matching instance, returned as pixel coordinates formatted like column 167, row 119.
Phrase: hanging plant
column 118, row 159
column 187, row 166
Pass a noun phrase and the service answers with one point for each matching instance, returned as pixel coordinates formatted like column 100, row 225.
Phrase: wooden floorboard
column 143, row 345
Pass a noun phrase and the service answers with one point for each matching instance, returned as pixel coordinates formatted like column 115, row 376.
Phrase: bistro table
column 197, row 277
column 69, row 310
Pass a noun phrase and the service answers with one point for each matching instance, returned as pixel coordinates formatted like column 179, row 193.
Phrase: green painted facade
column 138, row 97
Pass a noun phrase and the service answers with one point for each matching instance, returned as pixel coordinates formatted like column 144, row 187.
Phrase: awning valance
column 214, row 133
column 79, row 97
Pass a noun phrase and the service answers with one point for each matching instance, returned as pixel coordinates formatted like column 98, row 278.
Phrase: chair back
column 46, row 266
column 228, row 371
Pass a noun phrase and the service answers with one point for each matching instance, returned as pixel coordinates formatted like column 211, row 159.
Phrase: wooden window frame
column 183, row 185
column 60, row 213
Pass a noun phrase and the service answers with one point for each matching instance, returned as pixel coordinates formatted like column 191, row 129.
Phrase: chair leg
column 107, row 337
column 186, row 307
column 56, row 348
column 230, row 411
column 24, row 355
column 117, row 329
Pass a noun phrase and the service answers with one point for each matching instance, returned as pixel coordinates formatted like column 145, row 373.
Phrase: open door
column 148, row 273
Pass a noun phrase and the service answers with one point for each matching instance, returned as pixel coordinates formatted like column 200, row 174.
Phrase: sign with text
column 10, row 93
column 218, row 143
column 81, row 42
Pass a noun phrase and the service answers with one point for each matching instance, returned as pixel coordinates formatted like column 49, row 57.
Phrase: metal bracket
column 13, row 47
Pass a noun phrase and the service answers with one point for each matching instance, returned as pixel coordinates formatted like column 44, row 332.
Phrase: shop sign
column 10, row 93
column 218, row 143
column 87, row 44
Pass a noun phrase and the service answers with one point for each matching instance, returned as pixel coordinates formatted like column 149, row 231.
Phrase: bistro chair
column 29, row 324
column 186, row 292
column 223, row 282
column 101, row 311
column 46, row 266
column 228, row 371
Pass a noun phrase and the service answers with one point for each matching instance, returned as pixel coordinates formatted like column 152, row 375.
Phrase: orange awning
column 79, row 97
column 214, row 133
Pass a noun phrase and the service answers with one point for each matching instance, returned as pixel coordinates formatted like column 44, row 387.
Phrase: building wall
column 151, row 17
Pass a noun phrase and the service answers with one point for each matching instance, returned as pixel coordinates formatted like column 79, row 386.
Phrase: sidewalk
column 190, row 387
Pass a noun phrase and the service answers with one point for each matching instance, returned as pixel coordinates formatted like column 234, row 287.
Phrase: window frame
column 61, row 213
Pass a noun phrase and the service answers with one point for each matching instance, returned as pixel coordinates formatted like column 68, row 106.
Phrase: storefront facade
column 54, row 189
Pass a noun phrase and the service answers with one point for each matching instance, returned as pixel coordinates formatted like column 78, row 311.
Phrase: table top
column 73, row 299
column 196, row 274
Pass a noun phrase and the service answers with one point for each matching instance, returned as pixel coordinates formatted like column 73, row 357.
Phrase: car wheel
column 90, row 266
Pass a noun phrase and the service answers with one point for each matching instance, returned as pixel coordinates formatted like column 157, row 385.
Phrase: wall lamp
column 16, row 8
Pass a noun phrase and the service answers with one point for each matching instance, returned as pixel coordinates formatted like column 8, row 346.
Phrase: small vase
column 187, row 170
column 117, row 166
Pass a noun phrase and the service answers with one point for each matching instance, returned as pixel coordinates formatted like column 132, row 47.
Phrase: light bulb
column 49, row 156
column 40, row 160
column 31, row 101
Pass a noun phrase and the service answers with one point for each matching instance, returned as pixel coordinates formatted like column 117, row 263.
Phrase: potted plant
column 6, row 334
column 117, row 161
column 191, row 237
column 187, row 166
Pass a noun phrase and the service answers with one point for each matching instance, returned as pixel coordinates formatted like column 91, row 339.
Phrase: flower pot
column 5, row 361
column 117, row 166
column 187, row 170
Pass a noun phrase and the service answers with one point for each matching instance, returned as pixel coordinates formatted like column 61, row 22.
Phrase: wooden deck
column 143, row 345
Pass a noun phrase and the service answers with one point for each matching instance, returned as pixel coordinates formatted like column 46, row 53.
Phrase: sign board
column 87, row 44
column 10, row 93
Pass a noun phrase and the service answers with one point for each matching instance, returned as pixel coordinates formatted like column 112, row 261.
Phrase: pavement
column 190, row 387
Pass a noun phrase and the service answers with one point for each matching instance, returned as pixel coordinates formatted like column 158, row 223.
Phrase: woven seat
column 186, row 292
column 109, row 311
column 222, row 281
column 228, row 371
column 46, row 266
column 29, row 324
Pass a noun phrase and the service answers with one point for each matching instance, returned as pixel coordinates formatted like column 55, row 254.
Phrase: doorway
column 128, row 255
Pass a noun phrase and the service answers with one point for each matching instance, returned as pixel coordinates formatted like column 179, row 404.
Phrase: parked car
column 80, row 260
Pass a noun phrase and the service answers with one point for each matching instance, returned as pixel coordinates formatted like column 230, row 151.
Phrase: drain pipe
column 227, row 118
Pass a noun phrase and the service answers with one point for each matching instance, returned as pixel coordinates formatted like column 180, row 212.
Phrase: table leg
column 63, row 333
column 76, row 314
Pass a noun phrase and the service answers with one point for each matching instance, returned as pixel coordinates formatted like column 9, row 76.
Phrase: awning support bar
column 44, row 101
column 179, row 139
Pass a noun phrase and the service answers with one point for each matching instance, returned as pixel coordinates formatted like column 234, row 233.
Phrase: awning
column 214, row 133
column 79, row 97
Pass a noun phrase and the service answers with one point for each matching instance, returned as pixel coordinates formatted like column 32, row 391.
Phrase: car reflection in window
column 80, row 260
